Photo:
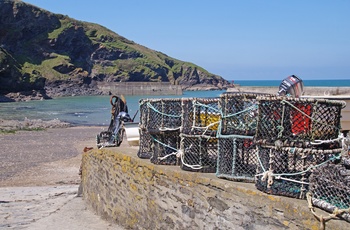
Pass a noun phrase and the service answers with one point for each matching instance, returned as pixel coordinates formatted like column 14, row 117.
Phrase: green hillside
column 39, row 49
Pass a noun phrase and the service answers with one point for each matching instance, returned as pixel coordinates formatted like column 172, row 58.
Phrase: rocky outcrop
column 30, row 124
column 48, row 52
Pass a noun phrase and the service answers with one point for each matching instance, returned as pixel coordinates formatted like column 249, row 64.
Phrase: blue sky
column 236, row 39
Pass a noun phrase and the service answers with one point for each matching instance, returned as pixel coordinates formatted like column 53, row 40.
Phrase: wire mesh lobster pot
column 298, row 122
column 146, row 144
column 165, row 148
column 200, row 116
column 330, row 188
column 285, row 171
column 237, row 159
column 198, row 153
column 146, row 141
column 239, row 113
column 157, row 115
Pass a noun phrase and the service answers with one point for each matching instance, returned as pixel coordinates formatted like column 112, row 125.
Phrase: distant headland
column 44, row 55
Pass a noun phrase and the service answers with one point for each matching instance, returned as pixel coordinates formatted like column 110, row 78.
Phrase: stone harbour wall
column 137, row 194
column 141, row 88
column 308, row 90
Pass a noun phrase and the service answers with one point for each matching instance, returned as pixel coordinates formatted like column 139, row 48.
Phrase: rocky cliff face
column 40, row 50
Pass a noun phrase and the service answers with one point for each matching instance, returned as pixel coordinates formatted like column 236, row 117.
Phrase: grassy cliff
column 40, row 49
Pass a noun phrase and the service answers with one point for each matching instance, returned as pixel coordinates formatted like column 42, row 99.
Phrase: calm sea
column 95, row 110
column 81, row 110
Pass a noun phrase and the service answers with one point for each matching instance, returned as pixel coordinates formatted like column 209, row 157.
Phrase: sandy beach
column 39, row 180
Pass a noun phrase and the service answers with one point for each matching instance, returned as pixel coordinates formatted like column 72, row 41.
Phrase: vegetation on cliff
column 39, row 50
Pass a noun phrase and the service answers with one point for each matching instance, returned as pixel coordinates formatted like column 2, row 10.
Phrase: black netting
column 237, row 159
column 273, row 141
column 200, row 116
column 198, row 153
column 239, row 113
column 285, row 171
column 298, row 121
column 146, row 145
column 330, row 187
column 166, row 146
column 157, row 115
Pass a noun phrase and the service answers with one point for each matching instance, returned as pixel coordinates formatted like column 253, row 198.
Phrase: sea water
column 82, row 110
column 96, row 110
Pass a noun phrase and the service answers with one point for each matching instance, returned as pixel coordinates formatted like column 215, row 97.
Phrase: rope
column 258, row 157
column 308, row 168
column 169, row 129
column 243, row 124
column 168, row 146
column 280, row 132
column 206, row 127
column 311, row 118
column 218, row 111
column 243, row 111
column 166, row 156
column 319, row 142
column 219, row 135
column 291, row 180
column 323, row 220
column 313, row 128
column 181, row 155
column 269, row 173
column 196, row 103
column 149, row 105
column 281, row 128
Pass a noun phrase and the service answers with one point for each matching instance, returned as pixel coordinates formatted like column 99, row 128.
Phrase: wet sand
column 39, row 180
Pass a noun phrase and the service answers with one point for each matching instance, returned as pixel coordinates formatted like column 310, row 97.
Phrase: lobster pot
column 200, row 116
column 285, row 171
column 330, row 187
column 158, row 115
column 146, row 144
column 237, row 159
column 166, row 145
column 298, row 122
column 198, row 153
column 239, row 113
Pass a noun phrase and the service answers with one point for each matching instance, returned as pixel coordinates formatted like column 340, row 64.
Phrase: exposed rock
column 28, row 124
column 24, row 96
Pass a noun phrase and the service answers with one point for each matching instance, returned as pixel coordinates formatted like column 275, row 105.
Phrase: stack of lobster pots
column 237, row 158
column 294, row 137
column 159, row 127
column 287, row 146
column 330, row 186
column 199, row 142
